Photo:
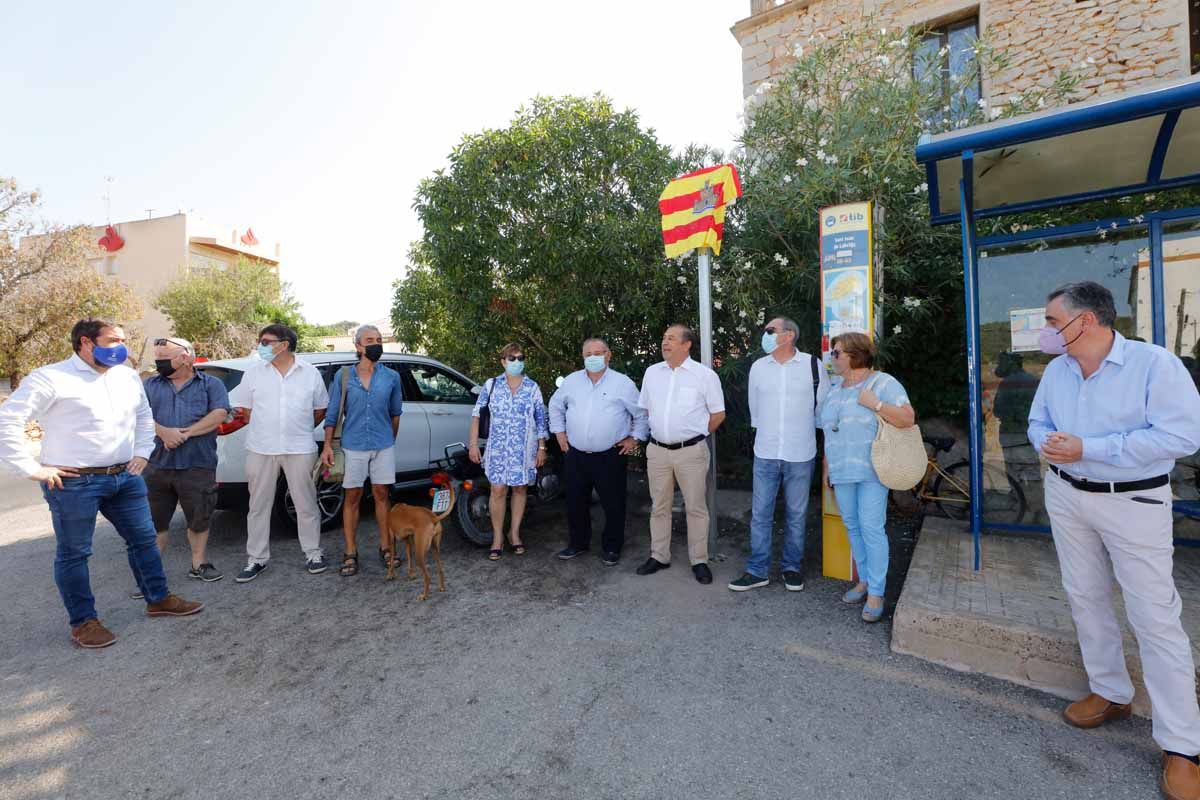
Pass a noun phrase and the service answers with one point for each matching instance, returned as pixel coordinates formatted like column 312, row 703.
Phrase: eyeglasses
column 516, row 358
column 771, row 331
column 165, row 342
column 834, row 353
column 269, row 341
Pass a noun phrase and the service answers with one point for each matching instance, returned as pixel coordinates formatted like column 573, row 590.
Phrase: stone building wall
column 1118, row 44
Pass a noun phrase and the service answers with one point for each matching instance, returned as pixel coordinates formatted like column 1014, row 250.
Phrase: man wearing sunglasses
column 188, row 406
column 786, row 386
column 284, row 398
column 99, row 431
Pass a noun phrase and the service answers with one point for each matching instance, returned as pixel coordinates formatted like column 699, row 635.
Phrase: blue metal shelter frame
column 1169, row 103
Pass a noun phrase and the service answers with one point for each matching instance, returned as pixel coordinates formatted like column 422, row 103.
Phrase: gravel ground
column 527, row 678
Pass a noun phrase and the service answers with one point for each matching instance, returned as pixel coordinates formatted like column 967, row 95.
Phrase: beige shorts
column 378, row 465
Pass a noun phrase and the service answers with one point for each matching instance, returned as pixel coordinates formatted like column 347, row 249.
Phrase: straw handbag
column 898, row 455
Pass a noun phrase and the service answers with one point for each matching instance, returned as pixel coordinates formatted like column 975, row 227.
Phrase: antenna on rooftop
column 108, row 182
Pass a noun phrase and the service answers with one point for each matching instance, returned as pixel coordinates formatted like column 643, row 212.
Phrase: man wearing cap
column 188, row 406
column 1111, row 416
column 99, row 432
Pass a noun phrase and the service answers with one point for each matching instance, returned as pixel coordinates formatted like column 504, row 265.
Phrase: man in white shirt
column 99, row 433
column 785, row 388
column 284, row 398
column 685, row 403
column 596, row 417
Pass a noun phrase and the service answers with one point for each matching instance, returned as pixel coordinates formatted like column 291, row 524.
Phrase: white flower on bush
column 682, row 279
column 899, row 329
column 801, row 162
column 923, row 187
column 798, row 50
column 823, row 142
column 886, row 179
column 912, row 302
column 780, row 260
column 833, row 159
column 787, row 178
column 742, row 314
column 717, row 305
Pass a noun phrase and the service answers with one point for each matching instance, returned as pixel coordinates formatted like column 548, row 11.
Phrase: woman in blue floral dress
column 516, row 444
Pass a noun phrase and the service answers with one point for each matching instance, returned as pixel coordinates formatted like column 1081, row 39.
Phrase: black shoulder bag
column 485, row 413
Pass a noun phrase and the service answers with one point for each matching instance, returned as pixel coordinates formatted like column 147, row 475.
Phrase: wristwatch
column 878, row 406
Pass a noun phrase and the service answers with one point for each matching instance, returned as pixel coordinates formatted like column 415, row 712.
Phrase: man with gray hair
column 1111, row 416
column 187, row 406
column 596, row 417
column 373, row 405
column 785, row 388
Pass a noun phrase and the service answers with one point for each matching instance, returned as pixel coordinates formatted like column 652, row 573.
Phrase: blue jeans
column 864, row 511
column 797, row 482
column 73, row 508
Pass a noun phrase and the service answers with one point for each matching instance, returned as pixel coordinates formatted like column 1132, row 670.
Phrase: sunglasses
column 771, row 330
column 165, row 342
column 835, row 353
column 516, row 358
column 269, row 341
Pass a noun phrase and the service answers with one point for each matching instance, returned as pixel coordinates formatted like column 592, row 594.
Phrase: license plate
column 441, row 501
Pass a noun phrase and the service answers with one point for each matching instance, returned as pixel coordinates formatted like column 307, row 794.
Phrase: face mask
column 514, row 367
column 1052, row 342
column 267, row 352
column 164, row 367
column 110, row 356
column 594, row 363
column 373, row 351
column 769, row 342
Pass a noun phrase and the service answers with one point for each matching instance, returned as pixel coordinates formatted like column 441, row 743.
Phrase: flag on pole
column 693, row 208
column 248, row 238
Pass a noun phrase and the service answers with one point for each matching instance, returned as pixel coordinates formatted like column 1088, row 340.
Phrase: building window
column 110, row 265
column 946, row 61
column 105, row 265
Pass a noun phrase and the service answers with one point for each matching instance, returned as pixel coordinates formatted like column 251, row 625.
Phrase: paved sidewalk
column 1011, row 619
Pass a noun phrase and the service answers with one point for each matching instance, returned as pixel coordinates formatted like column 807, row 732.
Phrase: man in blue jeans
column 98, row 434
column 786, row 386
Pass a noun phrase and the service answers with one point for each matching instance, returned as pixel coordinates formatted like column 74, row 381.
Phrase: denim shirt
column 369, row 411
column 848, row 449
column 194, row 401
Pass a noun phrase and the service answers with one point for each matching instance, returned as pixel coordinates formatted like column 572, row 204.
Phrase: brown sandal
column 349, row 565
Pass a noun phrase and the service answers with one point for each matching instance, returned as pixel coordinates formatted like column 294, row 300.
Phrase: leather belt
column 115, row 469
column 1109, row 487
column 678, row 445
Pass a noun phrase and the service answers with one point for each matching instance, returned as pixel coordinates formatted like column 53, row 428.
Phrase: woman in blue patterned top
column 516, row 443
column 848, row 417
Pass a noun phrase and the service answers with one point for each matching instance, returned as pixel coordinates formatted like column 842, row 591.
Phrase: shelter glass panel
column 1013, row 283
column 1181, row 289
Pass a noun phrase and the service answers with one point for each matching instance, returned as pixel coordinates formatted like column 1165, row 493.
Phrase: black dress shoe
column 611, row 559
column 702, row 573
column 651, row 566
column 567, row 553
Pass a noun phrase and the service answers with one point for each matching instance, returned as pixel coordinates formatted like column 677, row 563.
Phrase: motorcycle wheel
column 473, row 516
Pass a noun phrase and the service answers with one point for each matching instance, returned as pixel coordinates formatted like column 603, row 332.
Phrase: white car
column 437, row 413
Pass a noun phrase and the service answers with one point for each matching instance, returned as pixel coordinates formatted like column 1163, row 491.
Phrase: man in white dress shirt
column 596, row 417
column 285, row 398
column 785, row 388
column 685, row 403
column 99, row 433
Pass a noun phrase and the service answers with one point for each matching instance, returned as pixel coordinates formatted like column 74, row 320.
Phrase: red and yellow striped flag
column 693, row 208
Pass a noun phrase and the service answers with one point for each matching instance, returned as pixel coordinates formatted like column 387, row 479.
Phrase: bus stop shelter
column 1118, row 148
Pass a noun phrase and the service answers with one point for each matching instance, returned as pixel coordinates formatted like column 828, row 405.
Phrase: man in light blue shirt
column 1111, row 416
column 596, row 417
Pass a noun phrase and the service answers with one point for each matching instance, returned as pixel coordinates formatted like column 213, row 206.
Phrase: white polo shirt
column 281, row 407
column 782, row 409
column 680, row 401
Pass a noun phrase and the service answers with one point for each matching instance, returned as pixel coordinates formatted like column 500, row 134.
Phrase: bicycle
column 948, row 488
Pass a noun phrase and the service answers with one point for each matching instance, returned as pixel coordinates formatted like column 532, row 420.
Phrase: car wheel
column 330, row 498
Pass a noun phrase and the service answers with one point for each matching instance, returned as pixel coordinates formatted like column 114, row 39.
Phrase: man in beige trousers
column 684, row 401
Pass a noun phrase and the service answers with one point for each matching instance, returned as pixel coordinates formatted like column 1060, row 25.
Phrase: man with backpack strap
column 786, row 386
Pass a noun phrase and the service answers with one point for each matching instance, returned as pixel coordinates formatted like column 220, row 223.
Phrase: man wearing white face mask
column 596, row 417
column 284, row 399
column 1111, row 416
column 785, row 389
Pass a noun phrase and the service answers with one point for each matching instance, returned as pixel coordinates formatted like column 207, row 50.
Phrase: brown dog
column 420, row 529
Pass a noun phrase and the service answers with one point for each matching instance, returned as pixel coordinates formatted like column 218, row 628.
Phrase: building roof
column 1125, row 144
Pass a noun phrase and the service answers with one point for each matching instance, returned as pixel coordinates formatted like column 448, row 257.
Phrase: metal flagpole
column 704, row 257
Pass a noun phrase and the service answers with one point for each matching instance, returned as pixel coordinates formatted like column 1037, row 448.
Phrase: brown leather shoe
column 93, row 635
column 1180, row 778
column 173, row 606
column 1093, row 711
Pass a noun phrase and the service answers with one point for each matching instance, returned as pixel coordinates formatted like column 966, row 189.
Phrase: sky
column 313, row 122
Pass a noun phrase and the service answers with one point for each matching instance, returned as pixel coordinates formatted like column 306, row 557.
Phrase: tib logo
column 832, row 221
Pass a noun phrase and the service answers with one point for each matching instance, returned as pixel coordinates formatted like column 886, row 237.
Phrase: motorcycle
column 472, row 511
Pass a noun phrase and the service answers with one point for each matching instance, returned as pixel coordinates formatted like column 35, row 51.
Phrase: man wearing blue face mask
column 596, row 417
column 1111, row 416
column 786, row 386
column 99, row 433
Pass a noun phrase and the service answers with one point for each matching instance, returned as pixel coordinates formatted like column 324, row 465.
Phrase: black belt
column 115, row 469
column 612, row 449
column 1108, row 487
column 678, row 445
